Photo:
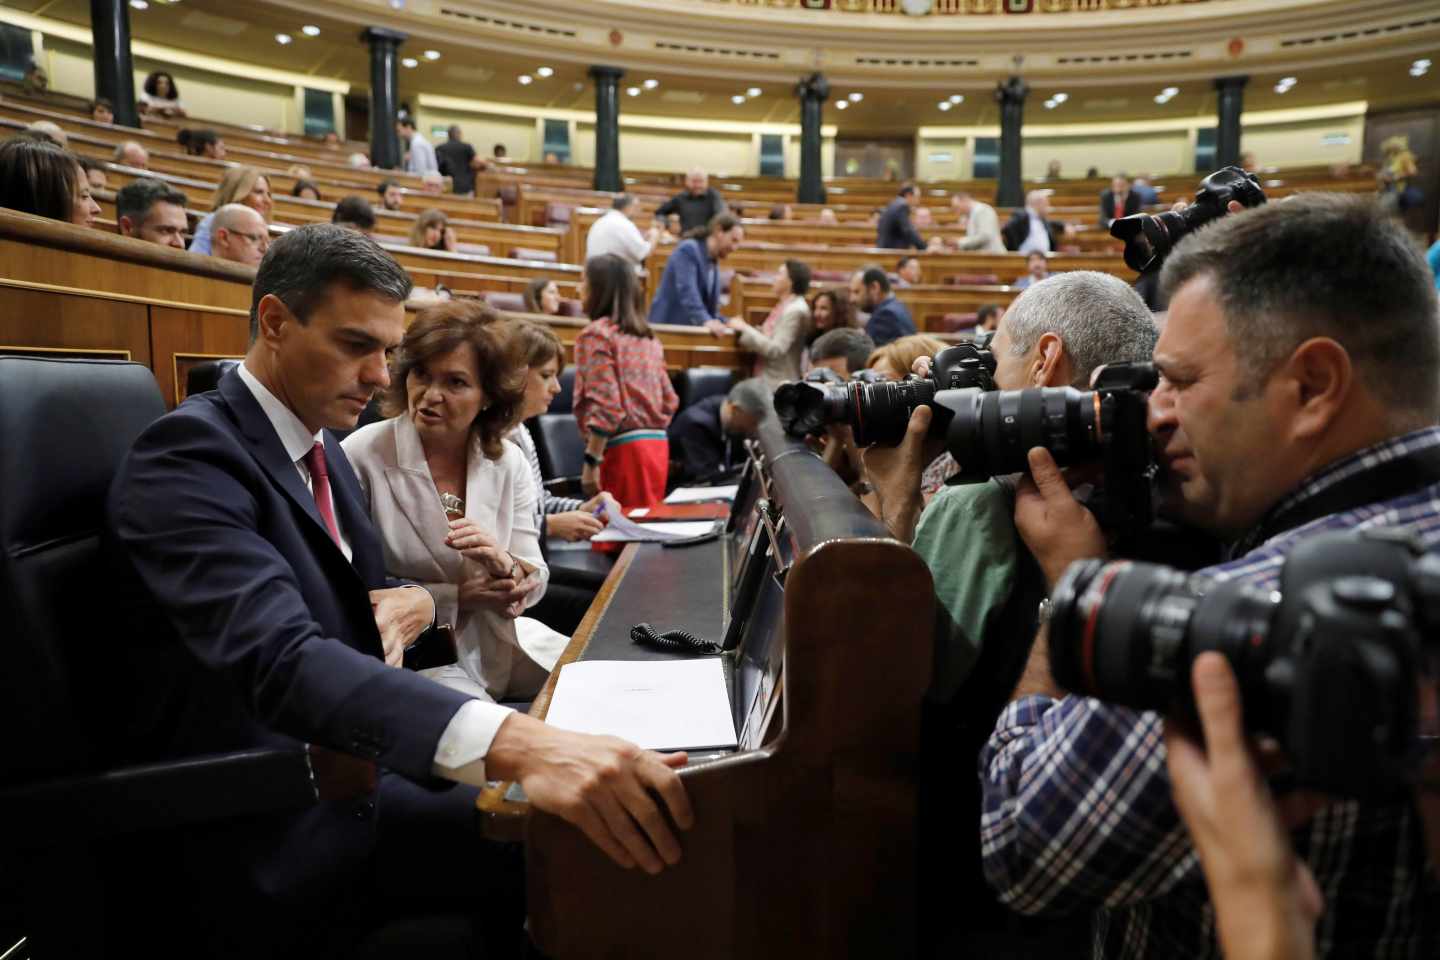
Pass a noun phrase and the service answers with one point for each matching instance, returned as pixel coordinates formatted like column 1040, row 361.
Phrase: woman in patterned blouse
column 623, row 397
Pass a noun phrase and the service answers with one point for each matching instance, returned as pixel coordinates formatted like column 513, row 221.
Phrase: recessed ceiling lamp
column 753, row 92
column 432, row 54
column 1060, row 97
column 140, row 4
column 633, row 91
column 410, row 63
column 738, row 99
column 1285, row 84
column 957, row 98
column 283, row 39
column 856, row 97
column 1419, row 68
column 651, row 84
column 525, row 79
column 545, row 72
column 1166, row 95
column 841, row 104
column 945, row 104
column 310, row 30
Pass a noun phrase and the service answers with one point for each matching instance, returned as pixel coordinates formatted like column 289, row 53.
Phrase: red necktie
column 320, row 485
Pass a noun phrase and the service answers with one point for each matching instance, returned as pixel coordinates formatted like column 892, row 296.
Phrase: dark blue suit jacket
column 264, row 634
column 895, row 231
column 890, row 320
column 687, row 295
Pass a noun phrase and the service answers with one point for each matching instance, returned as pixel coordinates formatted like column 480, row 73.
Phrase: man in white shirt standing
column 422, row 153
column 276, row 625
column 616, row 233
column 982, row 224
column 1030, row 230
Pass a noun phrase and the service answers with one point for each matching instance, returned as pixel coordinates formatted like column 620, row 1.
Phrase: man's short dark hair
column 722, row 222
column 983, row 315
column 623, row 202
column 752, row 396
column 303, row 264
column 101, row 102
column 355, row 211
column 900, row 264
column 874, row 274
column 854, row 345
column 386, row 184
column 1322, row 265
column 136, row 199
column 905, row 190
column 799, row 272
column 405, row 120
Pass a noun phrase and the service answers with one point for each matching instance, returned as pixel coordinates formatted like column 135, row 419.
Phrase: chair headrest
column 67, row 424
column 505, row 302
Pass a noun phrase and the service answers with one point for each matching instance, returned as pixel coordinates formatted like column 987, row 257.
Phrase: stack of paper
column 657, row 704
column 621, row 529
column 701, row 494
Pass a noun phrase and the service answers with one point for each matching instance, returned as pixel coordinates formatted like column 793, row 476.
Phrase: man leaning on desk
column 243, row 521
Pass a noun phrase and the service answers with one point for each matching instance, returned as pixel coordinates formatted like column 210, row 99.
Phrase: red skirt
column 635, row 467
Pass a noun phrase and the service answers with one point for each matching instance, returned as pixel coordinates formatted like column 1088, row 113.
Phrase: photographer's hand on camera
column 895, row 474
column 1056, row 527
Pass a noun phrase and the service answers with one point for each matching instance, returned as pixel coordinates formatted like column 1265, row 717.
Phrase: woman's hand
column 449, row 241
column 604, row 499
column 590, row 479
column 500, row 594
column 477, row 545
column 719, row 328
column 573, row 525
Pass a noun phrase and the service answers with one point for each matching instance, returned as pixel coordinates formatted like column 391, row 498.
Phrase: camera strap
column 1385, row 481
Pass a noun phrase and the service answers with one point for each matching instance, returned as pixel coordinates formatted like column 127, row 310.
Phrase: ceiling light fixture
column 283, row 38
column 139, row 4
column 753, row 92
column 1419, row 68
column 310, row 30
column 432, row 54
column 633, row 91
column 651, row 84
column 1170, row 91
column 545, row 72
column 1060, row 97
column 841, row 104
column 1285, row 84
column 1051, row 104
column 945, row 104
column 525, row 79
column 410, row 63
column 856, row 97
column 738, row 99
column 957, row 98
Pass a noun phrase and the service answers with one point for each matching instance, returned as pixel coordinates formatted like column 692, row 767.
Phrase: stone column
column 1230, row 104
column 813, row 91
column 1011, row 97
column 384, row 44
column 114, row 70
column 607, row 128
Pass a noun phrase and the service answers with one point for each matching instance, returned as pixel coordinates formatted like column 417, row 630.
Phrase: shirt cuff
column 460, row 754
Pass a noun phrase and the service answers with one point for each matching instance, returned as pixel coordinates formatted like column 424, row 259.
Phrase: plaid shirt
column 1078, row 814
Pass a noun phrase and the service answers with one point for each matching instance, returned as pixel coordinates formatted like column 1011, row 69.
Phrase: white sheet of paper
column 656, row 704
column 626, row 531
column 702, row 494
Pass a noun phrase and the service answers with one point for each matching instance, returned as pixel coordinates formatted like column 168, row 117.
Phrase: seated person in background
column 987, row 318
column 498, row 152
column 159, row 95
column 102, row 111
column 38, row 177
column 689, row 290
column 305, row 190
column 432, row 182
column 36, row 81
column 299, row 171
column 1037, row 268
column 239, row 234
column 542, row 295
column 268, row 620
column 51, row 131
column 704, row 437
column 922, row 218
column 454, row 502
column 697, row 205
column 239, row 185
column 982, row 224
column 1031, row 229
column 830, row 309
column 131, row 154
column 551, row 157
column 779, row 344
column 1119, row 201
column 356, row 213
column 201, row 143
column 1147, row 193
column 615, row 232
column 889, row 318
column 894, row 230
column 843, row 350
column 1299, row 392
column 358, row 161
column 908, row 270
column 432, row 231
column 152, row 211
column 331, row 140
column 623, row 398
column 828, row 218
column 391, row 193
column 672, row 225
column 1052, row 170
column 95, row 173
column 780, row 211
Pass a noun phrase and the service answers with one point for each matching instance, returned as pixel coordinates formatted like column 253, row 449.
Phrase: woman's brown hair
column 612, row 291
column 902, row 354
column 439, row 329
column 533, row 289
column 430, row 218
column 38, row 177
column 536, row 344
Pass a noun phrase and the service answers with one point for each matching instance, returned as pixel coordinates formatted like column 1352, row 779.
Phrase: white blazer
column 389, row 461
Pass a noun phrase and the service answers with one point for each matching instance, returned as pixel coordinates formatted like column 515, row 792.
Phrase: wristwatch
column 591, row 460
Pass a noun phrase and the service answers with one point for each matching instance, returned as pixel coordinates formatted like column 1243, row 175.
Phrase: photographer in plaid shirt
column 1300, row 361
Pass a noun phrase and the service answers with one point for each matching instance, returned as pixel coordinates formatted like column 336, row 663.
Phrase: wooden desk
column 804, row 840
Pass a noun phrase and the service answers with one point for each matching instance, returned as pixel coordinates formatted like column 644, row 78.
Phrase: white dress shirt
column 422, row 156
column 1038, row 238
column 616, row 233
column 461, row 751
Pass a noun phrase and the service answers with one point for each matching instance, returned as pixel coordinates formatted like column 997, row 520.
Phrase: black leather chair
column 89, row 838
column 206, row 376
column 564, row 401
column 559, row 446
column 697, row 383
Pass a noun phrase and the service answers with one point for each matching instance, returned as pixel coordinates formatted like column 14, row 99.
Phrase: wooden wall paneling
column 58, row 322
column 182, row 337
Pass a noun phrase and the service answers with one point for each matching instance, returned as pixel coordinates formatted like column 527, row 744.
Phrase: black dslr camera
column 1328, row 665
column 989, row 432
column 1149, row 238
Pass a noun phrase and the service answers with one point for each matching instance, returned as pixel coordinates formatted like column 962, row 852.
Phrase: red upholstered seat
column 529, row 253
column 972, row 280
column 505, row 302
column 955, row 322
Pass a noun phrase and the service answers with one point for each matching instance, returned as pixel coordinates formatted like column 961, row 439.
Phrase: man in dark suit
column 889, row 318
column 243, row 525
column 689, row 290
column 696, row 205
column 895, row 231
column 1118, row 198
column 458, row 162
column 1032, row 229
column 705, row 436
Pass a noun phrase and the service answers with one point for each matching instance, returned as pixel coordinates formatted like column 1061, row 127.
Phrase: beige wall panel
column 1310, row 142
column 723, row 154
column 942, row 159
column 484, row 130
column 1159, row 153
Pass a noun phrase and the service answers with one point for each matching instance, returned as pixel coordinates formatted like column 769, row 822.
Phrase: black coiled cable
column 672, row 641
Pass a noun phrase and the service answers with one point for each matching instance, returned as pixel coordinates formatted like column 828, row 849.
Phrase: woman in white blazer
column 779, row 344
column 454, row 501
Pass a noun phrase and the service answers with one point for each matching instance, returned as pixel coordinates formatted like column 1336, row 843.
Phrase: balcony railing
column 946, row 8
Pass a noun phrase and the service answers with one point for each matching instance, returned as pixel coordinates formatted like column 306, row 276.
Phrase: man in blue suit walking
column 244, row 525
column 889, row 318
column 689, row 292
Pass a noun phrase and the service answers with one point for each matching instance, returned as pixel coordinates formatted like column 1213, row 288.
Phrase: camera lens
column 992, row 432
column 883, row 409
column 803, row 407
